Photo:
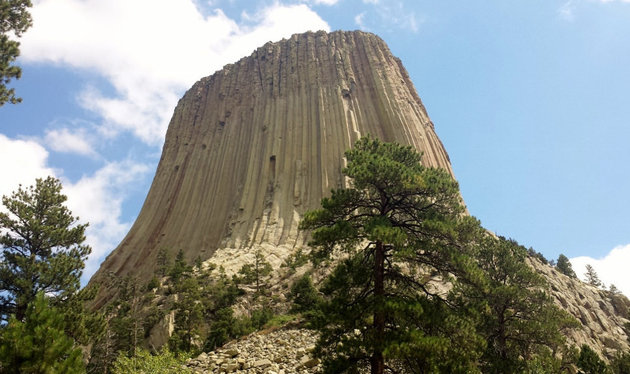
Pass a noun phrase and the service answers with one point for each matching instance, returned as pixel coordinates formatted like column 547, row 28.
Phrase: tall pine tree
column 42, row 248
column 398, row 225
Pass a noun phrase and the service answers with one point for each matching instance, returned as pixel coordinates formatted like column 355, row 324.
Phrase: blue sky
column 531, row 100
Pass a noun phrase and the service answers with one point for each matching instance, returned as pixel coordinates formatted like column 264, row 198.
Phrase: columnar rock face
column 253, row 146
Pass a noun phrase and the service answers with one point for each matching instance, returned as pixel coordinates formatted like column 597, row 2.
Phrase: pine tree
column 189, row 313
column 14, row 20
column 255, row 273
column 590, row 362
column 41, row 248
column 37, row 343
column 396, row 225
column 564, row 266
column 516, row 315
column 591, row 277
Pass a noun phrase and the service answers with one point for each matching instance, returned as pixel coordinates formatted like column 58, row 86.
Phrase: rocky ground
column 280, row 351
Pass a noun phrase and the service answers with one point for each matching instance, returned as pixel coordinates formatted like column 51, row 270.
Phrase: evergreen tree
column 591, row 277
column 163, row 262
column 613, row 290
column 396, row 224
column 564, row 266
column 41, row 248
column 620, row 364
column 517, row 318
column 304, row 295
column 189, row 313
column 14, row 20
column 124, row 317
column 180, row 267
column 589, row 362
column 37, row 343
column 255, row 273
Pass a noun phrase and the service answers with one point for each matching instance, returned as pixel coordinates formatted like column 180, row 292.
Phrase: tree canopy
column 398, row 224
column 42, row 248
column 564, row 266
column 14, row 20
column 38, row 344
column 515, row 314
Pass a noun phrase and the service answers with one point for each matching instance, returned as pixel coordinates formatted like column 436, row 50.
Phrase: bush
column 144, row 362
column 304, row 295
column 589, row 361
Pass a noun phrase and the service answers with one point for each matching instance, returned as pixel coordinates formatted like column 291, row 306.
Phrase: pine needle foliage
column 14, row 20
column 42, row 248
column 397, row 225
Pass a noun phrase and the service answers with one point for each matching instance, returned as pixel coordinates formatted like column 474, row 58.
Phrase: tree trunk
column 377, row 361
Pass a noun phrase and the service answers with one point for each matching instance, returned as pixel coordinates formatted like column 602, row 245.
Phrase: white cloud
column 325, row 2
column 23, row 162
column 612, row 268
column 98, row 199
column 150, row 50
column 70, row 141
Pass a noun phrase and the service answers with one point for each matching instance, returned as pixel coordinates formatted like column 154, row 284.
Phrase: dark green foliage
column 304, row 295
column 38, row 343
column 517, row 318
column 620, row 364
column 295, row 260
column 154, row 315
column 256, row 273
column 225, row 327
column 189, row 314
column 14, row 19
column 398, row 222
column 589, row 361
column 163, row 262
column 179, row 267
column 153, row 283
column 124, row 316
column 41, row 248
column 261, row 316
column 591, row 277
column 564, row 266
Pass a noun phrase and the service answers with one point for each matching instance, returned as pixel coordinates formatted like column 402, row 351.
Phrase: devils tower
column 256, row 144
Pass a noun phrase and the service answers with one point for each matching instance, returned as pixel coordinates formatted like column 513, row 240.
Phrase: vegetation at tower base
column 398, row 222
column 512, row 311
column 14, row 19
column 394, row 232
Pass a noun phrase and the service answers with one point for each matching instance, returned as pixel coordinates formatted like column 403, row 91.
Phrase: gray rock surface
column 281, row 351
column 252, row 147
